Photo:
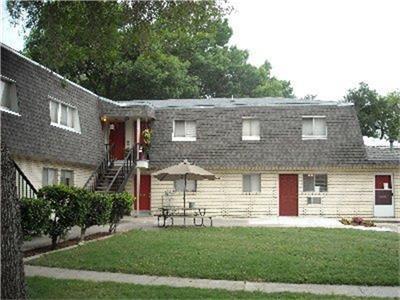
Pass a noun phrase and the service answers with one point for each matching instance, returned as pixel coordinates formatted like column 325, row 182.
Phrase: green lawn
column 333, row 256
column 46, row 288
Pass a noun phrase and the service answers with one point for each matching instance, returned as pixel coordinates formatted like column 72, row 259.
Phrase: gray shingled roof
column 383, row 155
column 219, row 138
column 228, row 103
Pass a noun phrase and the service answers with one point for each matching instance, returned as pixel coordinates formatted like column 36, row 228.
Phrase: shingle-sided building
column 273, row 157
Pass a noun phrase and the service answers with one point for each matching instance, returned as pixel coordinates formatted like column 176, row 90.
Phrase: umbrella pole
column 184, row 199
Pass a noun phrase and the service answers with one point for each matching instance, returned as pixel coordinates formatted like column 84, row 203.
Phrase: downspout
column 137, row 169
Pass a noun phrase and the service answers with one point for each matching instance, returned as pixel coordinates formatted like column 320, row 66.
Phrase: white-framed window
column 67, row 177
column 64, row 116
column 184, row 130
column 49, row 176
column 9, row 99
column 314, row 200
column 179, row 185
column 250, row 129
column 314, row 127
column 251, row 183
column 315, row 183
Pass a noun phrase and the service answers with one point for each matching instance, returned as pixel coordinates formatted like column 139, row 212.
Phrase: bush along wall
column 58, row 208
column 121, row 206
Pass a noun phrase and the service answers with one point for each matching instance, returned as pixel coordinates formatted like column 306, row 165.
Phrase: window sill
column 251, row 193
column 315, row 193
column 314, row 137
column 11, row 112
column 183, row 139
column 250, row 138
column 65, row 127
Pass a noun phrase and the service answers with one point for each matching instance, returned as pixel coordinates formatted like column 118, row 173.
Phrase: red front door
column 288, row 195
column 117, row 137
column 145, row 186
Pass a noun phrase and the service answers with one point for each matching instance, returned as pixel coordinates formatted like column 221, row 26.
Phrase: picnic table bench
column 173, row 212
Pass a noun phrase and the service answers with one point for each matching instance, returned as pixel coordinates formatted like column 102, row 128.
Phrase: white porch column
column 138, row 131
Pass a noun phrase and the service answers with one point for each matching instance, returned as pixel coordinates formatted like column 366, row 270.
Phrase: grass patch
column 47, row 288
column 295, row 255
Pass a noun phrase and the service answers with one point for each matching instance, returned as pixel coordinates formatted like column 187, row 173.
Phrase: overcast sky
column 322, row 47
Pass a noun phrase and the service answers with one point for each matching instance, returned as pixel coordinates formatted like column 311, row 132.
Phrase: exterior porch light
column 103, row 119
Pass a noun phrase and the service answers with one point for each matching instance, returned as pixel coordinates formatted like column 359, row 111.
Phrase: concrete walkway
column 266, row 287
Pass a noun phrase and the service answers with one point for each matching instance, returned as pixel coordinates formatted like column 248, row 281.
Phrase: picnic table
column 172, row 212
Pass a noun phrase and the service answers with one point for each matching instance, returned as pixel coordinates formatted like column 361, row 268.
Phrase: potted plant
column 147, row 135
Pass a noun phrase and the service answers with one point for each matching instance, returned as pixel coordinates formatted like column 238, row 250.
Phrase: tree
column 144, row 49
column 392, row 116
column 97, row 210
column 68, row 209
column 379, row 116
column 12, row 267
column 365, row 102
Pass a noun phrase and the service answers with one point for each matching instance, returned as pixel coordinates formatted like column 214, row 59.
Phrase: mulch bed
column 64, row 244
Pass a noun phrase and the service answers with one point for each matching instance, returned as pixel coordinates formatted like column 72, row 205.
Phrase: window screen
column 251, row 127
column 191, row 185
column 179, row 129
column 251, row 183
column 190, row 129
column 185, row 129
column 54, row 111
column 307, row 126
column 67, row 177
column 49, row 176
column 319, row 127
column 308, row 183
column 71, row 117
column 8, row 92
column 64, row 115
column 314, row 127
column 315, row 183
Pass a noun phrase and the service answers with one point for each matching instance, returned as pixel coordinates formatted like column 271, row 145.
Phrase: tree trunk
column 83, row 232
column 12, row 267
column 53, row 242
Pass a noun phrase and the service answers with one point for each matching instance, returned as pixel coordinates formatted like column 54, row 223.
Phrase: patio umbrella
column 185, row 171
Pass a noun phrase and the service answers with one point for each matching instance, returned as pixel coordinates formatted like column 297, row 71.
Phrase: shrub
column 35, row 216
column 121, row 206
column 345, row 221
column 67, row 209
column 97, row 210
column 357, row 221
column 369, row 223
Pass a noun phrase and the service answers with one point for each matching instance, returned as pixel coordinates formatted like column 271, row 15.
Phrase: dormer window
column 64, row 116
column 8, row 92
column 250, row 129
column 184, row 130
column 314, row 128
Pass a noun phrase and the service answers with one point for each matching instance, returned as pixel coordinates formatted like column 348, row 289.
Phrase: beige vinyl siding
column 34, row 171
column 350, row 193
column 223, row 197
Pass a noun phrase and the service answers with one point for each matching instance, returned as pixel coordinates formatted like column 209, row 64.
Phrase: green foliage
column 35, row 216
column 121, row 206
column 144, row 49
column 379, row 116
column 97, row 209
column 67, row 208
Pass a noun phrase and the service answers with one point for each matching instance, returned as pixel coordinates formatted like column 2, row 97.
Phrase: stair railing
column 106, row 163
column 25, row 188
column 124, row 171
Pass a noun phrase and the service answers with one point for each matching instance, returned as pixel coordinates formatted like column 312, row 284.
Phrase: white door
column 384, row 206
